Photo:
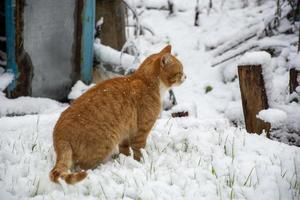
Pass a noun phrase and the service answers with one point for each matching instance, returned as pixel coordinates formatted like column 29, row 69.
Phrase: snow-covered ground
column 203, row 156
column 185, row 158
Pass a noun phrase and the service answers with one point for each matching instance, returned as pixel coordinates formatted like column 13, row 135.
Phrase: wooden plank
column 113, row 28
column 10, row 41
column 293, row 80
column 87, row 38
column 24, row 63
column 254, row 98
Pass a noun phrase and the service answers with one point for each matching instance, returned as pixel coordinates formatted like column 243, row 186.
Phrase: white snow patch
column 78, row 89
column 5, row 80
column 272, row 115
column 185, row 158
column 28, row 105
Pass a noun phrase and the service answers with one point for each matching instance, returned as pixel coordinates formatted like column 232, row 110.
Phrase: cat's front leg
column 137, row 143
column 124, row 147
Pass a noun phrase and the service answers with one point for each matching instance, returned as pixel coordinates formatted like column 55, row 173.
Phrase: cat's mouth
column 182, row 79
column 179, row 81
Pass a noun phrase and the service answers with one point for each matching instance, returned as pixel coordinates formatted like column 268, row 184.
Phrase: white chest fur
column 162, row 90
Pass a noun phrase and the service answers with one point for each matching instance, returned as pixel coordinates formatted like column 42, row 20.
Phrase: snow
column 185, row 158
column 256, row 58
column 296, row 62
column 272, row 115
column 28, row 105
column 206, row 155
column 78, row 89
column 5, row 80
column 111, row 56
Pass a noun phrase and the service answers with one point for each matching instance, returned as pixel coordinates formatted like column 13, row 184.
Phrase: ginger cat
column 119, row 111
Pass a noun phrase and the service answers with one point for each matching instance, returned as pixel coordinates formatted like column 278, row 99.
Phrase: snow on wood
column 250, row 32
column 111, row 56
column 273, row 116
column 243, row 48
column 78, row 89
column 252, row 37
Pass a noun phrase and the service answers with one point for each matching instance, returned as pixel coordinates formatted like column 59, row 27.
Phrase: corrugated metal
column 49, row 39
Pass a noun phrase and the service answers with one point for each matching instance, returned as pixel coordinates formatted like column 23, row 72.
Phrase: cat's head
column 171, row 70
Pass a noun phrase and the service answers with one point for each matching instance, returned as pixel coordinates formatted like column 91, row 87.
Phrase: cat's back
column 106, row 104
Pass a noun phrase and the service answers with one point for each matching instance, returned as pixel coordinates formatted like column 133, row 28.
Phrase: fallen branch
column 250, row 45
column 142, row 28
column 254, row 31
column 249, row 34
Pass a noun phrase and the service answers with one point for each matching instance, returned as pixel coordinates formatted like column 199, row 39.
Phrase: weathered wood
column 254, row 98
column 197, row 14
column 171, row 7
column 23, row 60
column 113, row 28
column 180, row 114
column 293, row 79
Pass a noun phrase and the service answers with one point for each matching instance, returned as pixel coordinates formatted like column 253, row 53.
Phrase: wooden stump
column 293, row 80
column 254, row 98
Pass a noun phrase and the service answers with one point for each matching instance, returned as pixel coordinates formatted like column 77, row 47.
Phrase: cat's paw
column 54, row 175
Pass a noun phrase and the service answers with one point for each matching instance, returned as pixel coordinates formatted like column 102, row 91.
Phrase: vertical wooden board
column 293, row 80
column 10, row 40
column 87, row 38
column 254, row 97
column 24, row 62
column 113, row 28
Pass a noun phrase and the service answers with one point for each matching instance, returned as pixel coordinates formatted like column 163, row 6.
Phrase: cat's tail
column 70, row 178
column 63, row 165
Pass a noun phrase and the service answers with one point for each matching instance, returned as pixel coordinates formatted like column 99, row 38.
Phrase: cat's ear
column 167, row 49
column 166, row 60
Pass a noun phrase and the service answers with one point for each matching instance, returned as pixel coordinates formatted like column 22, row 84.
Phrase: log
column 197, row 14
column 254, row 98
column 229, row 55
column 293, row 80
column 249, row 33
column 180, row 114
column 228, row 50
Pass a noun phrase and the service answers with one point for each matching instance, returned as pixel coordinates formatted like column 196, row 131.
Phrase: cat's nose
column 183, row 77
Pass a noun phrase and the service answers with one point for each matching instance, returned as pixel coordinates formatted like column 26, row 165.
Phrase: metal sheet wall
column 49, row 39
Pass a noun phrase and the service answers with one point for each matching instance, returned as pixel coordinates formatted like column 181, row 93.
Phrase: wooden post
column 113, row 28
column 294, row 73
column 254, row 98
column 293, row 79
